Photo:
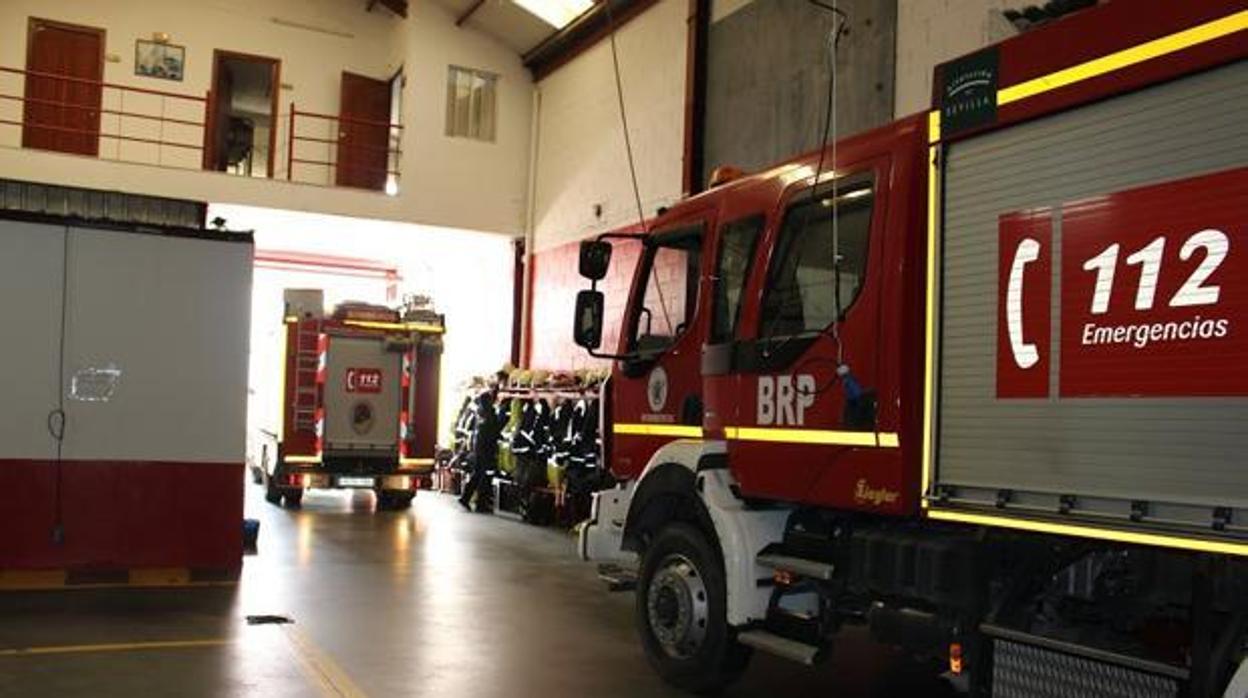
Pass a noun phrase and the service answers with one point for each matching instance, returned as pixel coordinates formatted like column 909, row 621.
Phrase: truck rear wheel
column 394, row 500
column 682, row 612
column 294, row 499
column 272, row 494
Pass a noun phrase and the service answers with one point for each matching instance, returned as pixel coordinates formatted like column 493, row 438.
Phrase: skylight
column 556, row 13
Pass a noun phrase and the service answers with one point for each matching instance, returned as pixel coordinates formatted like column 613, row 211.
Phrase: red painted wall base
column 118, row 515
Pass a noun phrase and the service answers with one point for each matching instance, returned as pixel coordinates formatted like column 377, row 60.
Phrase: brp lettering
column 782, row 400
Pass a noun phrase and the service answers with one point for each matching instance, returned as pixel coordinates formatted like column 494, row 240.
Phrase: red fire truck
column 360, row 398
column 974, row 380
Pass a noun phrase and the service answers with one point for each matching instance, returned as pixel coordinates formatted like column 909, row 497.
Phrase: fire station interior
column 618, row 348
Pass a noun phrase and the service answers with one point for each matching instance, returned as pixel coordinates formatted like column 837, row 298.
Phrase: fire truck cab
column 897, row 382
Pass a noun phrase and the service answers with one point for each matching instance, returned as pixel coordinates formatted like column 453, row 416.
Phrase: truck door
column 805, row 420
column 658, row 395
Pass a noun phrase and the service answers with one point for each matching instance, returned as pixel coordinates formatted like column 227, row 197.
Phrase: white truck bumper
column 601, row 537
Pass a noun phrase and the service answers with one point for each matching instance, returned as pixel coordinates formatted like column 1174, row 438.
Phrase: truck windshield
column 671, row 265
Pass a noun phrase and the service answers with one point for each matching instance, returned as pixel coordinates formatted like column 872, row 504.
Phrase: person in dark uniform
column 484, row 450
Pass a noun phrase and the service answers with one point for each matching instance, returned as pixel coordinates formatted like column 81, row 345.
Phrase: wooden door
column 63, row 113
column 363, row 132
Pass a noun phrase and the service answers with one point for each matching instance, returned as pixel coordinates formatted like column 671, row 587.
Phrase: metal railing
column 165, row 128
column 166, row 115
column 353, row 152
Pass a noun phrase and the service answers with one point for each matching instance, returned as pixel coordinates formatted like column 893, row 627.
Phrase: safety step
column 797, row 565
column 783, row 647
column 617, row 578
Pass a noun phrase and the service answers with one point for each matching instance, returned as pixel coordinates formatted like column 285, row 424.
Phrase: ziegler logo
column 363, row 380
column 782, row 400
column 864, row 493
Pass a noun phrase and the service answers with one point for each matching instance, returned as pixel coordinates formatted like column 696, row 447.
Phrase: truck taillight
column 294, row 480
column 955, row 658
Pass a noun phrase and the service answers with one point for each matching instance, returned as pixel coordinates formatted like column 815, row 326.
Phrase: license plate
column 355, row 482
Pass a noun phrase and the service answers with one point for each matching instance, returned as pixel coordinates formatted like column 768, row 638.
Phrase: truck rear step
column 617, row 578
column 771, row 643
column 797, row 565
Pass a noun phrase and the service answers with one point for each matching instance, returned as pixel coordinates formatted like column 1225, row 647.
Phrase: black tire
column 294, row 499
column 393, row 500
column 272, row 494
column 702, row 656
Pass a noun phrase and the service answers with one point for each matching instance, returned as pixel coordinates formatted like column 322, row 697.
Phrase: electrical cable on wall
column 628, row 149
column 829, row 132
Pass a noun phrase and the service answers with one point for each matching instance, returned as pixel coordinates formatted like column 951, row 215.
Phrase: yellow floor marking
column 320, row 667
column 113, row 647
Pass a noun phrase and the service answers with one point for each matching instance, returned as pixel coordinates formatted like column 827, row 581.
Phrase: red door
column 363, row 132
column 801, row 430
column 62, row 113
column 658, row 396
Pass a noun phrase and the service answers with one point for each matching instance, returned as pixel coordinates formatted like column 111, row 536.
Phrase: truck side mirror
column 587, row 326
column 595, row 258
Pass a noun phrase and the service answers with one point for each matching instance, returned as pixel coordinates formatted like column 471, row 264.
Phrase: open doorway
column 241, row 137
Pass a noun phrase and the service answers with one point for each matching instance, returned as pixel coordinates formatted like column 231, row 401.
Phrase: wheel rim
column 676, row 605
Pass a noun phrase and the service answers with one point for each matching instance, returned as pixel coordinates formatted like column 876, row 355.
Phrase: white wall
column 581, row 159
column 311, row 61
column 468, row 275
column 448, row 182
column 930, row 32
column 459, row 181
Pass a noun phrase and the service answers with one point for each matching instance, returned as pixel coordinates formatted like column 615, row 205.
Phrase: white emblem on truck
column 782, row 400
column 656, row 389
column 1025, row 354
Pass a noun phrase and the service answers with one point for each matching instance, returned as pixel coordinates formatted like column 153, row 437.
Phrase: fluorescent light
column 556, row 13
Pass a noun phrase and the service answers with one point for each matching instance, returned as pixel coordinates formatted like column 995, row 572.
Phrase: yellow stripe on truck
column 1178, row 41
column 1061, row 529
column 1125, row 58
column 679, row 431
column 817, row 437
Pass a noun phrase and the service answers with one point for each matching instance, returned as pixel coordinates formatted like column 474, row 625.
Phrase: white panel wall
column 171, row 315
column 581, row 159
column 31, row 274
column 930, row 32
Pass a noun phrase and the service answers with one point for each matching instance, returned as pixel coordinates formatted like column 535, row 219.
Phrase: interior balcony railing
column 125, row 123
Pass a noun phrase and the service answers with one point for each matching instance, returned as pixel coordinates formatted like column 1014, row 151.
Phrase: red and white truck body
column 360, row 399
column 958, row 376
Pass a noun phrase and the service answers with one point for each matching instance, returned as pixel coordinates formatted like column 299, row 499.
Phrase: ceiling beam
column 594, row 25
column 468, row 13
column 398, row 7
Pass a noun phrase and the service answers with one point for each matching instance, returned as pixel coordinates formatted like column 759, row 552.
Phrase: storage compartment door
column 31, row 281
column 362, row 400
column 156, row 377
column 1063, row 389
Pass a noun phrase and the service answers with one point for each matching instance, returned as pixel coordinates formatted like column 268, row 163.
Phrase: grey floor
column 431, row 602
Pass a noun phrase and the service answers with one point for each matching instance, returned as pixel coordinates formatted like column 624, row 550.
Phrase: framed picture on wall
column 155, row 59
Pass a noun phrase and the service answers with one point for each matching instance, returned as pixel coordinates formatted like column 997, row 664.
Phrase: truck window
column 814, row 278
column 736, row 251
column 671, row 263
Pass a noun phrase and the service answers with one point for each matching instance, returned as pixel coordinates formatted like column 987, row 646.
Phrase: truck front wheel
column 682, row 612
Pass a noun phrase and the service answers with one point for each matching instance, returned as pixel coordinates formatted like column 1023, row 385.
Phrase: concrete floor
column 431, row 602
